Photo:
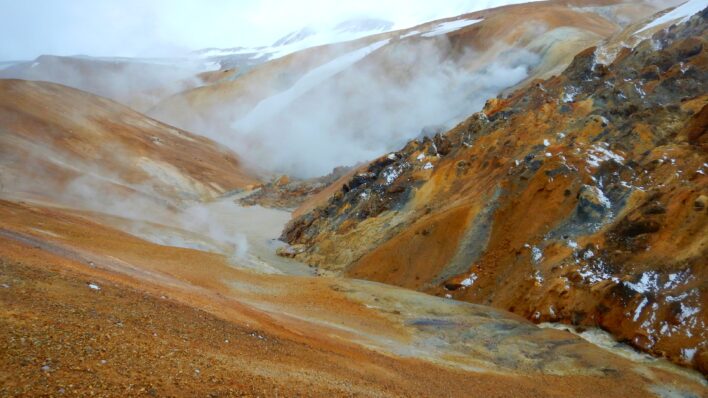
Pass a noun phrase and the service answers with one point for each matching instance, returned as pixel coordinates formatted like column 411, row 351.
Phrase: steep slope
column 67, row 146
column 348, row 102
column 581, row 199
column 137, row 83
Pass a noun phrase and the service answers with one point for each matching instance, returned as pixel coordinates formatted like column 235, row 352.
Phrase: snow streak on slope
column 353, row 108
column 297, row 41
column 448, row 27
column 267, row 108
column 684, row 12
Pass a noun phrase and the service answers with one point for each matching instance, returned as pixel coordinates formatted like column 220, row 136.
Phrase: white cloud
column 166, row 27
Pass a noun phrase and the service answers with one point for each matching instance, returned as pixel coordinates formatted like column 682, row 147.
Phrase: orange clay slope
column 69, row 146
column 90, row 310
column 580, row 199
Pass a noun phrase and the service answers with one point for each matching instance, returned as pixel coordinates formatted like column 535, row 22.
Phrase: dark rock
column 442, row 144
column 639, row 227
column 688, row 48
column 650, row 72
column 654, row 208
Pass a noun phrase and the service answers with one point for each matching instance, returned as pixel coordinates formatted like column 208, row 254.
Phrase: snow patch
column 640, row 308
column 601, row 198
column 467, row 282
column 536, row 254
column 447, row 27
column 411, row 33
column 598, row 154
column 537, row 276
column 270, row 106
column 390, row 174
column 688, row 353
column 647, row 283
column 683, row 12
column 687, row 312
column 570, row 93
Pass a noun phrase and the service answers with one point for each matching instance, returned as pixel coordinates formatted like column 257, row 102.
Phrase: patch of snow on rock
column 467, row 282
column 265, row 109
column 598, row 154
column 647, row 283
column 640, row 308
column 451, row 26
column 390, row 174
column 683, row 12
column 536, row 254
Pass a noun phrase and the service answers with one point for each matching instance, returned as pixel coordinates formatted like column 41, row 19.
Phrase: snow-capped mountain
column 381, row 90
column 301, row 39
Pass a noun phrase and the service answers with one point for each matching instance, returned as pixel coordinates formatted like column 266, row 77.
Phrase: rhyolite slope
column 581, row 199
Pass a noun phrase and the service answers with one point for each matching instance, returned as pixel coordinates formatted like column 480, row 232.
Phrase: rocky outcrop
column 284, row 193
column 577, row 199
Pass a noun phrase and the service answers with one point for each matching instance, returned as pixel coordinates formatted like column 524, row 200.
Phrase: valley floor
column 90, row 310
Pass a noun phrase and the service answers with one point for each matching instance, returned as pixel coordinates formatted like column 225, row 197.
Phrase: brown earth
column 90, row 310
column 579, row 199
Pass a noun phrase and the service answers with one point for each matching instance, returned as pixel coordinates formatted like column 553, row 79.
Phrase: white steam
column 365, row 103
column 136, row 83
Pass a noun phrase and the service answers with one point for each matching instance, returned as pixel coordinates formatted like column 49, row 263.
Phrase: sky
column 156, row 28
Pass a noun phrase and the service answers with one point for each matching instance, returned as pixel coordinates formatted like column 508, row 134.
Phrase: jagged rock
column 593, row 205
column 442, row 144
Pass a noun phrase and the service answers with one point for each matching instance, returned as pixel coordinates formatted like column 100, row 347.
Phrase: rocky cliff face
column 581, row 199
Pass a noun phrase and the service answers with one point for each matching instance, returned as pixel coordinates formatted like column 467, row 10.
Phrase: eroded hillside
column 580, row 199
column 67, row 146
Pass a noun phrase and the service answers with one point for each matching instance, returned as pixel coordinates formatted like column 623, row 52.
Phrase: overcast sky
column 30, row 28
